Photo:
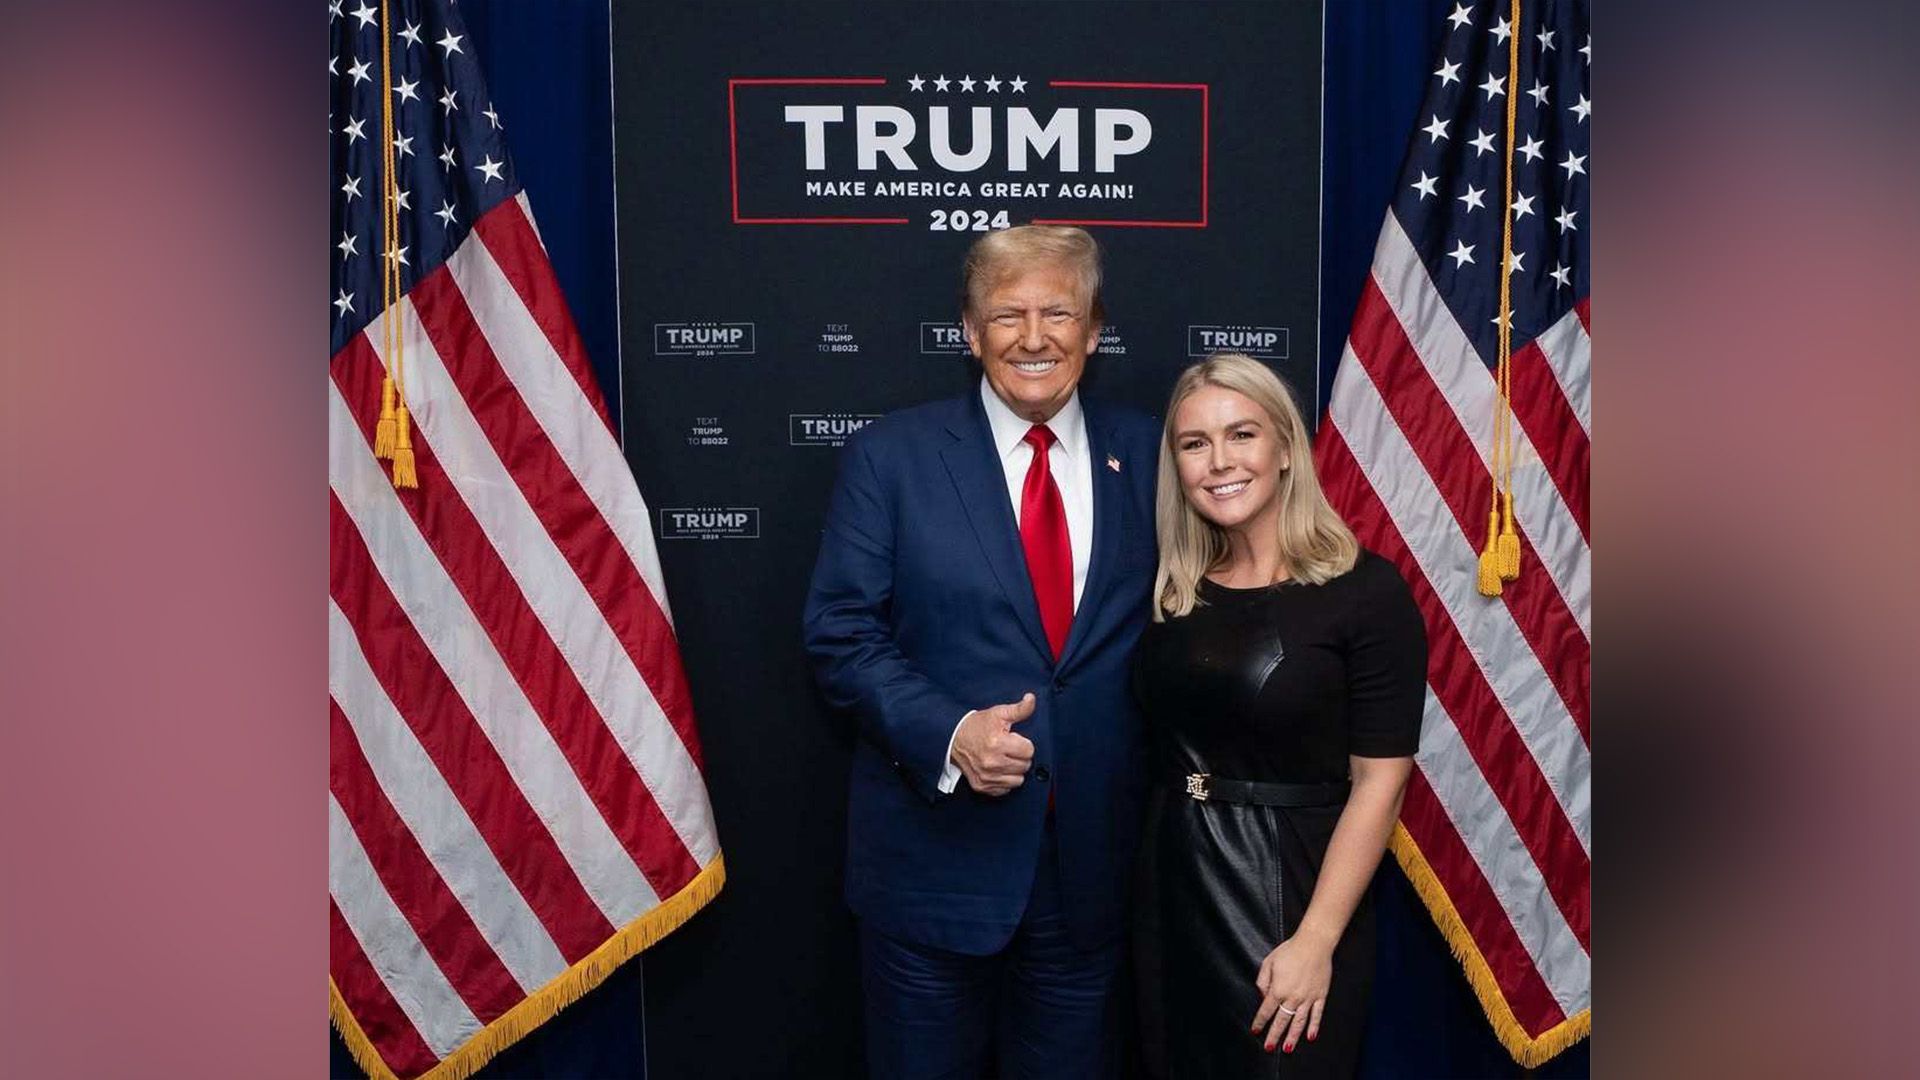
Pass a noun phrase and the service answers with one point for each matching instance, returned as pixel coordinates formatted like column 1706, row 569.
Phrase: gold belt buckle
column 1197, row 786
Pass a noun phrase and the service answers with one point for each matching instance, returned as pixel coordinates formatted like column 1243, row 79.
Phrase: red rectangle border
column 733, row 147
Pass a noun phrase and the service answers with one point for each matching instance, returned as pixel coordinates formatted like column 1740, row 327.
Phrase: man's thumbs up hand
column 991, row 755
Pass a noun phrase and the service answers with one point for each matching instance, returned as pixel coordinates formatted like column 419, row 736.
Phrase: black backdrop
column 740, row 990
column 713, row 438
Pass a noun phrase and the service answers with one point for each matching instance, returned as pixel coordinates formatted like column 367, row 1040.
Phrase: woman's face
column 1229, row 456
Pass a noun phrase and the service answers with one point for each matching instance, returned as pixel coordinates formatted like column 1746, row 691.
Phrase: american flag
column 1496, row 829
column 516, row 803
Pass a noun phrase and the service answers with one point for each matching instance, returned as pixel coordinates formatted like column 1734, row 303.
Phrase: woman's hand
column 1293, row 982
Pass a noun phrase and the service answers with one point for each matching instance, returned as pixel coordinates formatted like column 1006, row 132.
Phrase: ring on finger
column 1289, row 1012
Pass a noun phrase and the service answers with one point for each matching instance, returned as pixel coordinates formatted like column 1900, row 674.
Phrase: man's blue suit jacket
column 921, row 609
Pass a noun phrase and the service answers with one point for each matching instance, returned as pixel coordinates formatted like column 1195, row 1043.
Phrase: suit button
column 1042, row 773
column 1059, row 685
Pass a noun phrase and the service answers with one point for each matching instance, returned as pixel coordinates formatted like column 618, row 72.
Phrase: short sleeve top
column 1283, row 682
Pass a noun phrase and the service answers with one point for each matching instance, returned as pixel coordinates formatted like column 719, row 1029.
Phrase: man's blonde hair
column 1002, row 253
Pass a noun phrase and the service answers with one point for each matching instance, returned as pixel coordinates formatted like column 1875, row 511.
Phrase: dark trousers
column 1039, row 1008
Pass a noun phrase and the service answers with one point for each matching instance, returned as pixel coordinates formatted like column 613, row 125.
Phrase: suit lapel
column 981, row 482
column 1109, row 495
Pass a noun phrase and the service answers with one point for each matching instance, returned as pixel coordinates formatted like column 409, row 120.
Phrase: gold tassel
column 384, row 439
column 1489, row 556
column 403, row 472
column 1509, row 547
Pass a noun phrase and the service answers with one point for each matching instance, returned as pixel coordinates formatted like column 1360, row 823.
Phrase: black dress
column 1276, row 685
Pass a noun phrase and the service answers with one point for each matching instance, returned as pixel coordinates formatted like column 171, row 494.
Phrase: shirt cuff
column 950, row 775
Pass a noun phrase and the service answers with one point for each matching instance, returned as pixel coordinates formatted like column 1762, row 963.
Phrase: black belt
column 1206, row 787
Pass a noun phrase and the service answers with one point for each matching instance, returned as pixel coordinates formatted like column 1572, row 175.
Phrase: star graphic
column 1497, row 321
column 1019, row 85
column 406, row 90
column 447, row 102
column 398, row 255
column 1582, row 109
column 349, row 245
column 1559, row 274
column 1436, row 130
column 1538, row 93
column 351, row 188
column 359, row 72
column 1546, row 41
column 354, row 132
column 445, row 214
column 1493, row 87
column 1483, row 144
column 940, row 82
column 1522, row 206
column 1448, row 73
column 1574, row 164
column 1424, row 185
column 400, row 199
column 1565, row 221
column 451, row 43
column 491, row 167
column 366, row 14
column 492, row 117
column 332, row 69
column 1460, row 17
column 1462, row 254
column 1531, row 148
column 966, row 83
column 402, row 146
column 1501, row 31
column 1516, row 267
column 446, row 155
column 1587, row 50
column 333, row 10
column 1473, row 198
column 993, row 85
column 915, row 83
column 345, row 302
column 411, row 34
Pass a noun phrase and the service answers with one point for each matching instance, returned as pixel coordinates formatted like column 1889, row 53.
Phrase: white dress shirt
column 1071, row 463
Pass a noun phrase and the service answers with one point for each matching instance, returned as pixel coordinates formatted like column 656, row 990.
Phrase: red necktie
column 1043, row 533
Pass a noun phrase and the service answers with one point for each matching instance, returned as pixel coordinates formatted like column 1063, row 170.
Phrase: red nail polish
column 1312, row 1035
column 1288, row 1048
column 1269, row 1048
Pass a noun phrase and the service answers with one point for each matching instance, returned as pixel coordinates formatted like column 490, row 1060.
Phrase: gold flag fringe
column 1528, row 1050
column 540, row 1006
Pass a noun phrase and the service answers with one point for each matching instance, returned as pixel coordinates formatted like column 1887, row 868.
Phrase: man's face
column 1032, row 333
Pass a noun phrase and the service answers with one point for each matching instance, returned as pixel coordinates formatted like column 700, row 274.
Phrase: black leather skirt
column 1219, row 885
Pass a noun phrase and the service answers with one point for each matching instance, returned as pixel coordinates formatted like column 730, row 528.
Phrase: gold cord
column 1500, row 558
column 393, row 436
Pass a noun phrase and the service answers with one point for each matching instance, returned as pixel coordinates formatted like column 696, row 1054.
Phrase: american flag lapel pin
column 1113, row 463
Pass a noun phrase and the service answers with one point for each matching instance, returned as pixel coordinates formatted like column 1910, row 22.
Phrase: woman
column 1282, row 680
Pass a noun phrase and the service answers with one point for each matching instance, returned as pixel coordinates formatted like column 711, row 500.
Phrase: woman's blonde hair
column 1315, row 545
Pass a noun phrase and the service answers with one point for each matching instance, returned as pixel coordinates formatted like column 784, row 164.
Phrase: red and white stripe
column 1501, row 804
column 515, row 773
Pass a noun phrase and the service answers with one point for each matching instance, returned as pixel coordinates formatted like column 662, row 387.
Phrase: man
column 983, row 575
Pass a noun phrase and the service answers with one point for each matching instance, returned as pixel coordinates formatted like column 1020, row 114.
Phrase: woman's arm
column 1295, row 976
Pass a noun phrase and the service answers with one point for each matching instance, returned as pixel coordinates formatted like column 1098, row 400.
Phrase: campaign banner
column 967, row 154
column 796, row 187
